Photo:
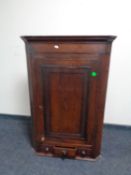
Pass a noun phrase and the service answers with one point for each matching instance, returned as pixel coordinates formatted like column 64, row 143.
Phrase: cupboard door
column 66, row 99
column 69, row 100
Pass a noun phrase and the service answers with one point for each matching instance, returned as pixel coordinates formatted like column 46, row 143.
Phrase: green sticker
column 93, row 74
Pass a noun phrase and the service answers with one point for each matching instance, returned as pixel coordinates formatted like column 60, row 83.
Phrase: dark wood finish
column 67, row 101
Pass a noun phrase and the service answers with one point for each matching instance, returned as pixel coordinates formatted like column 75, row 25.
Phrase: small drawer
column 64, row 152
column 46, row 149
column 83, row 152
column 68, row 47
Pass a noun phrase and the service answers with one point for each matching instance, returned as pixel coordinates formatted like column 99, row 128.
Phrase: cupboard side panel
column 35, row 101
column 101, row 98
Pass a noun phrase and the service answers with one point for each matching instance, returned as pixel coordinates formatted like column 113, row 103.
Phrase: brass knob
column 83, row 152
column 46, row 148
column 40, row 107
column 42, row 139
column 64, row 152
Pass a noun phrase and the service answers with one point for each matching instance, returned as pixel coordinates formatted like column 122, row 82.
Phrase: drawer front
column 68, row 48
column 72, row 152
column 64, row 152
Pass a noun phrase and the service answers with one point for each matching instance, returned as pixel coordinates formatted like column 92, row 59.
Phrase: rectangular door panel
column 65, row 100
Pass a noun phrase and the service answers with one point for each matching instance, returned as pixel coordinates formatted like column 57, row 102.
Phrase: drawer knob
column 64, row 152
column 42, row 139
column 46, row 149
column 83, row 152
column 56, row 46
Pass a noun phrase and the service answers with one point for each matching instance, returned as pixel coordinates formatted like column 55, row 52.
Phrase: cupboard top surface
column 82, row 38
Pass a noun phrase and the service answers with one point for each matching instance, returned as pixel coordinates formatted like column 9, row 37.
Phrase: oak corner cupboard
column 67, row 82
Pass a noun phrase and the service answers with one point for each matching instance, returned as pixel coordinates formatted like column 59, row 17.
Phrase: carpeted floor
column 18, row 158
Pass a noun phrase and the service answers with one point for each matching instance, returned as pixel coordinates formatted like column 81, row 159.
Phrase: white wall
column 60, row 17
